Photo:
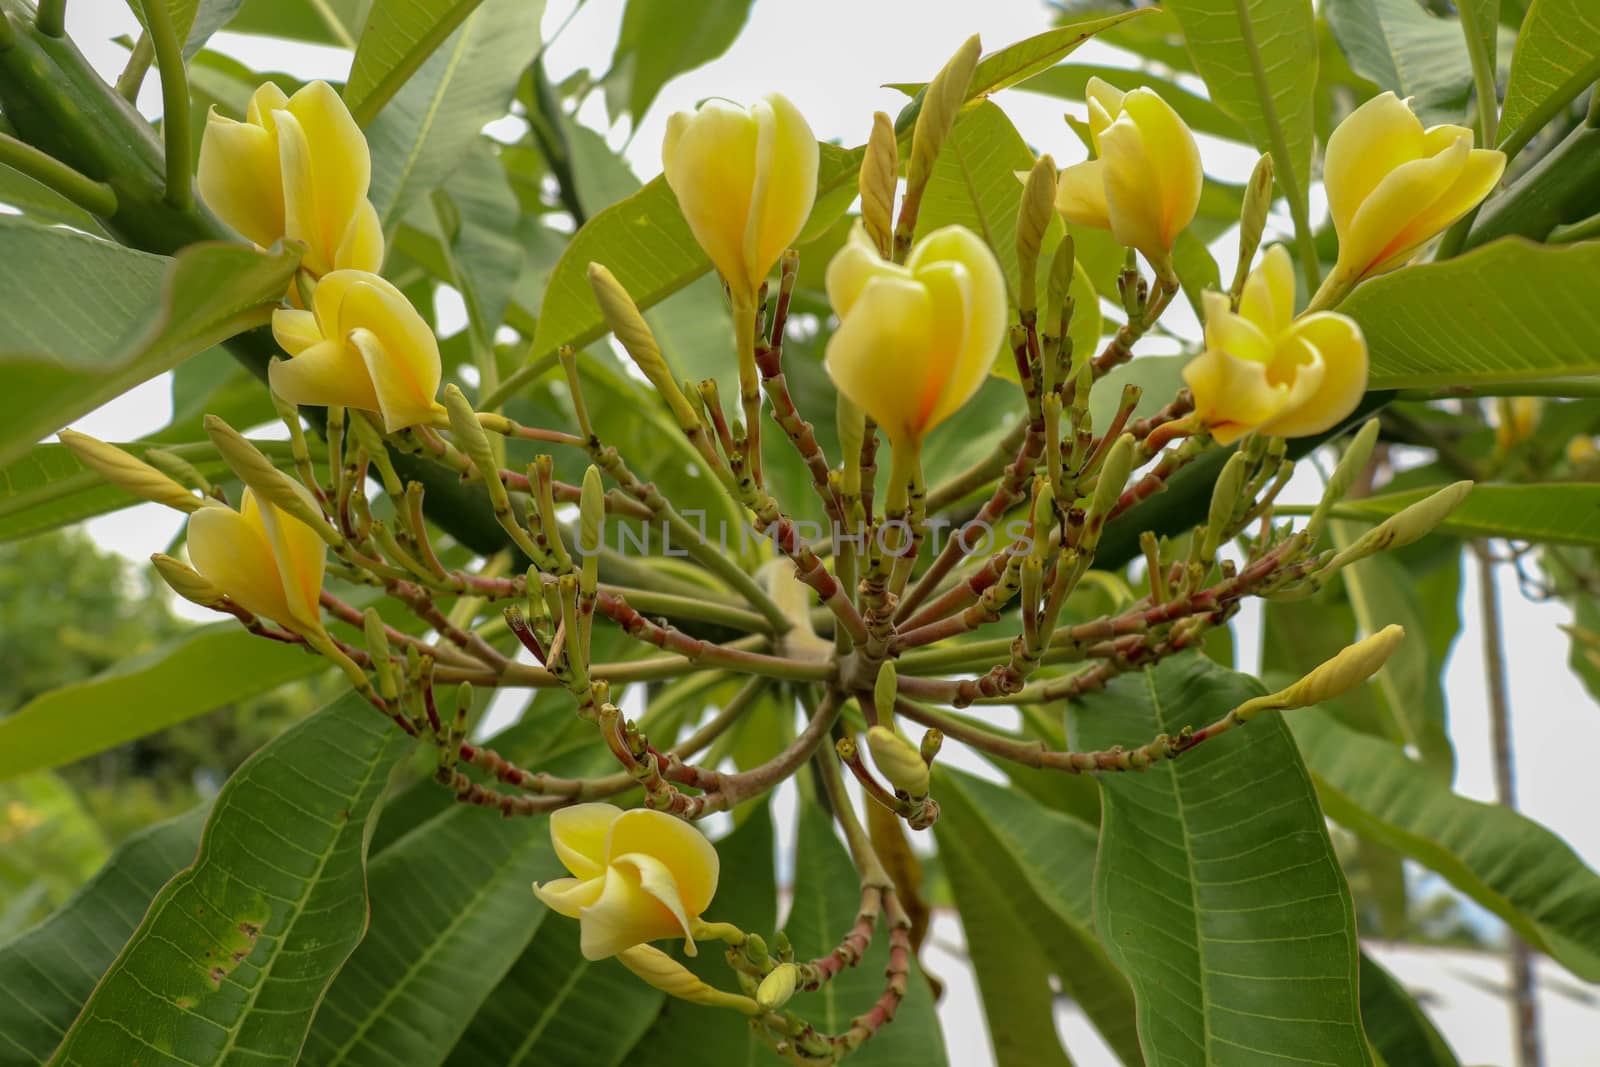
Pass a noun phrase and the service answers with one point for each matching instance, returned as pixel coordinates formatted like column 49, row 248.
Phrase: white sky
column 844, row 50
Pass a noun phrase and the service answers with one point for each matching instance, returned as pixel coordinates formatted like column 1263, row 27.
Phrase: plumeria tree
column 803, row 467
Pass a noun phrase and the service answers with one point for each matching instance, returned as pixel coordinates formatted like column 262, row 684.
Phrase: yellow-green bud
column 1059, row 283
column 591, row 526
column 1331, row 678
column 1034, row 215
column 932, row 742
column 1113, row 476
column 257, row 472
column 1224, row 499
column 177, row 467
column 1253, row 219
column 128, row 473
column 1350, row 466
column 1406, row 526
column 186, row 581
column 777, row 987
column 941, row 103
column 899, row 761
column 885, row 690
column 378, row 647
column 1043, row 519
column 879, row 168
column 673, row 978
column 474, row 441
column 622, row 315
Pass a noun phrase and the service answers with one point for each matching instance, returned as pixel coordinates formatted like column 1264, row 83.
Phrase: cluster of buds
column 923, row 320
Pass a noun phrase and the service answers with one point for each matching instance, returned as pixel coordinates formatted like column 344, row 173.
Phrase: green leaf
column 1560, row 513
column 451, row 912
column 1216, row 887
column 127, row 317
column 1400, row 47
column 485, row 256
column 194, row 21
column 204, row 670
column 331, row 22
column 1202, row 116
column 47, row 973
column 1557, row 55
column 1017, row 63
column 43, row 203
column 687, row 1033
column 1508, row 863
column 827, row 897
column 235, row 953
column 661, row 39
column 399, row 35
column 1022, row 876
column 1259, row 62
column 1509, row 311
column 1399, row 1031
column 428, row 125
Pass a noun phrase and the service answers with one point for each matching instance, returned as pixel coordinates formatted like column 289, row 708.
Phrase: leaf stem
column 131, row 80
column 174, row 101
column 52, row 18
column 1482, row 72
column 97, row 198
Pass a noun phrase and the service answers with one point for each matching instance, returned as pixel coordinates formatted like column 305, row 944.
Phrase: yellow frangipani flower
column 915, row 342
column 638, row 876
column 362, row 345
column 745, row 180
column 266, row 561
column 1516, row 418
column 297, row 167
column 1392, row 185
column 1144, row 182
column 1263, row 369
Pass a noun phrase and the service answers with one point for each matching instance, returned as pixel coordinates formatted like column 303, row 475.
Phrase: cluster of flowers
column 918, row 333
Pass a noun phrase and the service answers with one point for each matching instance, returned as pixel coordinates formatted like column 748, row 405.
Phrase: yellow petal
column 1081, row 195
column 299, row 554
column 329, row 372
column 1342, row 352
column 1268, row 297
column 1372, row 141
column 362, row 246
column 579, row 835
column 683, row 849
column 400, row 351
column 623, row 915
column 1381, row 229
column 326, row 171
column 1132, row 202
column 1231, row 396
column 785, row 184
column 985, row 312
column 263, row 102
column 239, row 179
column 569, row 896
column 878, row 349
column 852, row 267
column 1175, row 177
column 1482, row 171
column 1234, row 334
column 234, row 555
column 709, row 160
column 656, row 879
column 295, row 330
column 1105, row 103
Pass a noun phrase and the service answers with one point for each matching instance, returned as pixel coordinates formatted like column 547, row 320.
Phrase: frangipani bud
column 1253, row 217
column 474, row 441
column 915, row 342
column 622, row 315
column 186, row 581
column 745, row 180
column 1331, row 678
column 264, row 559
column 267, row 481
column 673, row 978
column 1405, row 526
column 1033, row 219
column 880, row 166
column 297, row 167
column 1265, row 370
column 361, row 345
column 1144, row 184
column 941, row 103
column 129, row 473
column 1392, row 185
column 638, row 876
column 777, row 987
column 899, row 761
column 1350, row 466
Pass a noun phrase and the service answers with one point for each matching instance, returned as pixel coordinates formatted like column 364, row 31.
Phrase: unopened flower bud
column 186, row 581
column 622, row 315
column 1063, row 263
column 899, row 761
column 1253, row 219
column 673, row 978
column 1331, row 678
column 1406, row 526
column 777, row 987
column 1034, row 216
column 1581, row 450
column 1113, row 476
column 591, row 526
column 1516, row 419
column 1350, row 466
column 932, row 742
column 474, row 441
column 256, row 471
column 128, row 473
column 378, row 646
column 1224, row 499
column 941, row 103
column 879, row 176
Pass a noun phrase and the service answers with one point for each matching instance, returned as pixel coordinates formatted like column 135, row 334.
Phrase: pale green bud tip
column 128, row 473
column 1113, row 475
column 591, row 511
column 186, row 581
column 1335, row 677
column 898, row 761
column 879, row 167
column 886, row 689
column 623, row 316
column 1419, row 519
column 372, row 624
column 256, row 471
column 777, row 987
column 1033, row 219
